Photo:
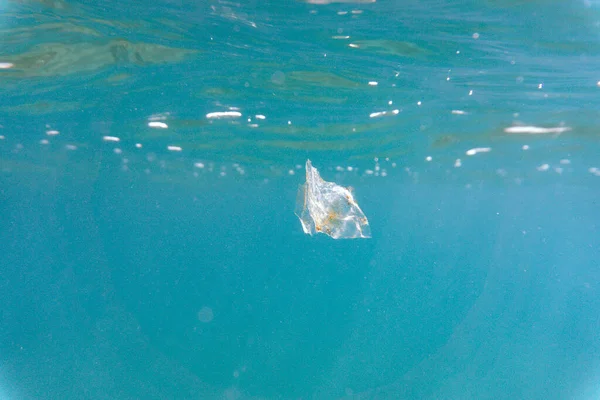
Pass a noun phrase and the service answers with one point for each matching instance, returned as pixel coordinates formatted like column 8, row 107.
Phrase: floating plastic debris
column 328, row 208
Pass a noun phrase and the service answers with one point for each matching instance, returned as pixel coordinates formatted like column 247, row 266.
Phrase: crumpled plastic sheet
column 325, row 207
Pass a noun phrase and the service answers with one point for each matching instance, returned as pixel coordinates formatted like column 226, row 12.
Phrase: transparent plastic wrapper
column 328, row 208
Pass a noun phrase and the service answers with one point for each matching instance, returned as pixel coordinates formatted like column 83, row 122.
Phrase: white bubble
column 157, row 124
column 543, row 167
column 472, row 152
column 223, row 114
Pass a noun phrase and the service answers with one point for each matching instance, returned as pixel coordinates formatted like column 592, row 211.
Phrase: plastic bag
column 325, row 207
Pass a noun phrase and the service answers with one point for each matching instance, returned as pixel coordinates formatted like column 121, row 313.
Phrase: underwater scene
column 320, row 199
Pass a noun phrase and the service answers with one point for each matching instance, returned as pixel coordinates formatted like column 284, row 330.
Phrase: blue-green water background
column 481, row 280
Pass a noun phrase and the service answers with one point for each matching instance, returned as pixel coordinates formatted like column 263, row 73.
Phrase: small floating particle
column 174, row 148
column 52, row 132
column 111, row 139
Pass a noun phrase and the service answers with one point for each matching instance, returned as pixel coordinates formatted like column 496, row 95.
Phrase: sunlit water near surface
column 150, row 156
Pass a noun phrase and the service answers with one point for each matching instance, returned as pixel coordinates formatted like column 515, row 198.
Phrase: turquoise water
column 150, row 248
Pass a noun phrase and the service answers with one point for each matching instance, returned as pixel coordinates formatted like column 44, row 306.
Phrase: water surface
column 150, row 155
